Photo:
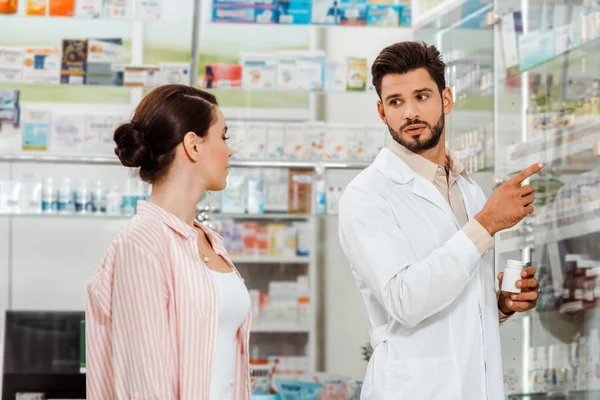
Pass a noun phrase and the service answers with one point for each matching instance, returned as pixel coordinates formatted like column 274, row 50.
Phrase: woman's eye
column 225, row 138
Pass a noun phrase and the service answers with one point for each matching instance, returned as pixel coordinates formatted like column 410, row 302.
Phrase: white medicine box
column 337, row 138
column 275, row 140
column 256, row 140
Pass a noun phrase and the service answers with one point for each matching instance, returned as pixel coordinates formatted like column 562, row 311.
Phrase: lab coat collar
column 392, row 166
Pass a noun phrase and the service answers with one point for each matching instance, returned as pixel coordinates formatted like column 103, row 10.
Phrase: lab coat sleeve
column 410, row 288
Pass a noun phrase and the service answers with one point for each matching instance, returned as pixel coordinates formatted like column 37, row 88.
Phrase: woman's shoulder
column 143, row 233
column 216, row 239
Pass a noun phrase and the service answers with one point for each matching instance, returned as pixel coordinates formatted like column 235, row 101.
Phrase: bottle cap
column 575, row 257
column 514, row 264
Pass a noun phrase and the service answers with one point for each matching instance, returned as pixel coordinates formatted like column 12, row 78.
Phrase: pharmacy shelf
column 108, row 160
column 579, row 50
column 291, row 91
column 58, row 159
column 581, row 228
column 214, row 216
column 61, row 19
column 269, row 260
column 556, row 144
column 269, row 216
column 15, row 85
column 443, row 14
column 279, row 329
column 512, row 240
column 571, row 395
column 509, row 240
column 92, row 216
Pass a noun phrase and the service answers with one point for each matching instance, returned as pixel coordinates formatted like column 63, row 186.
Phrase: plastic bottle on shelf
column 100, row 198
column 65, row 197
column 83, row 198
column 320, row 203
column 566, row 369
column 303, row 239
column 49, row 196
column 129, row 197
column 114, row 202
column 141, row 192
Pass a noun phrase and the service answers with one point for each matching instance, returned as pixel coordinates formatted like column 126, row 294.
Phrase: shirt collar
column 422, row 166
column 153, row 210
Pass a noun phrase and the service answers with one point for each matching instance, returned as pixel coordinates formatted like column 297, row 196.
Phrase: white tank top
column 234, row 306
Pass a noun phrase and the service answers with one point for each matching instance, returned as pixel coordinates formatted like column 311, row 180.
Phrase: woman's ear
column 191, row 145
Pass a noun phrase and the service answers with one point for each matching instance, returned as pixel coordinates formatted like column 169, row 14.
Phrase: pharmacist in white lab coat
column 418, row 233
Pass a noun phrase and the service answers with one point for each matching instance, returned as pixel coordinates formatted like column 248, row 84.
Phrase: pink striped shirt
column 152, row 315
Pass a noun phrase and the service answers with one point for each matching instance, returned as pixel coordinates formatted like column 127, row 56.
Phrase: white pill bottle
column 512, row 274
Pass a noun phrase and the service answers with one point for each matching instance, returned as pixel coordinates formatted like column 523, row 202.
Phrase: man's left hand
column 509, row 303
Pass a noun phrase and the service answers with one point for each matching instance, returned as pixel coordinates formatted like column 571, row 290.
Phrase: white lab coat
column 429, row 294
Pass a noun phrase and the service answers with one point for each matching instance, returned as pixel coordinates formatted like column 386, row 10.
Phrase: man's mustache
column 410, row 122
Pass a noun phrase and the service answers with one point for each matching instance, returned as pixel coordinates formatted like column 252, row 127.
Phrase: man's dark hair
column 400, row 58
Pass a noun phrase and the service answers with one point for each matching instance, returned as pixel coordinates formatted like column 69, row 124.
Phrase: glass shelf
column 62, row 19
column 216, row 91
column 215, row 216
column 575, row 395
column 107, row 160
column 578, row 51
column 556, row 143
column 279, row 329
column 251, row 259
column 326, row 26
column 557, row 226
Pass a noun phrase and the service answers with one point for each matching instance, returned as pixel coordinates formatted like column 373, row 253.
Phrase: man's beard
column 417, row 145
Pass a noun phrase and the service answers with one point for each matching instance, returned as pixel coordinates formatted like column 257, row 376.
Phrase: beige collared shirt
column 446, row 183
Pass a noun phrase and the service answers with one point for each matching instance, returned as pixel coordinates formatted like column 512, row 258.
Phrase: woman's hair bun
column 132, row 149
column 160, row 122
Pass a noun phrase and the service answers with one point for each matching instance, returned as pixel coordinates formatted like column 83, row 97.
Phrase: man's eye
column 422, row 97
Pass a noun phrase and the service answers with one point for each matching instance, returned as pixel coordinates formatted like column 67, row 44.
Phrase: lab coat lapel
column 473, row 203
column 427, row 191
column 400, row 173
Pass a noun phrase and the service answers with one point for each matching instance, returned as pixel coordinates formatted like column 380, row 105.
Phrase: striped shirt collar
column 153, row 210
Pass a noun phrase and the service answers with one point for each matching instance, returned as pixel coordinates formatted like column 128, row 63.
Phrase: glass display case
column 547, row 99
column 543, row 104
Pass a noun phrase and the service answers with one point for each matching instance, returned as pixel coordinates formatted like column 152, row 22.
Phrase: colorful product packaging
column 74, row 62
column 218, row 76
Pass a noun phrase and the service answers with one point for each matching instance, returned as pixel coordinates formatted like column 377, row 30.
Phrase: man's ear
column 381, row 111
column 447, row 100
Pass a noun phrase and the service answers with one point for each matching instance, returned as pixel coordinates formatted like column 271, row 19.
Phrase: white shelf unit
column 300, row 265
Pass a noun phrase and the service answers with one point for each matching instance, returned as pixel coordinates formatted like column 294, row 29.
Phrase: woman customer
column 168, row 315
